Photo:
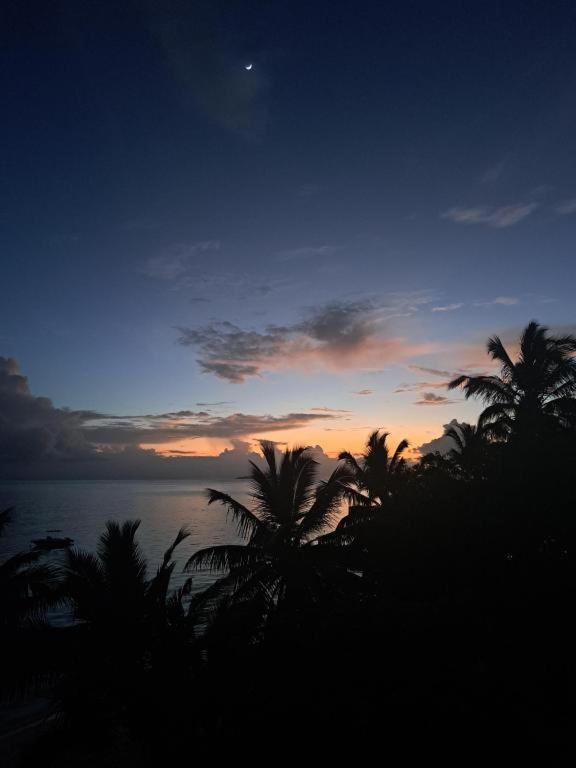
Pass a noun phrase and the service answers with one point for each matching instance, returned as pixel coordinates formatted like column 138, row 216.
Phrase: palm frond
column 357, row 498
column 224, row 557
column 455, row 434
column 497, row 351
column 303, row 483
column 350, row 460
column 327, row 504
column 246, row 521
column 268, row 449
column 357, row 518
column 205, row 604
column 396, row 456
column 459, row 381
column 181, row 536
column 120, row 554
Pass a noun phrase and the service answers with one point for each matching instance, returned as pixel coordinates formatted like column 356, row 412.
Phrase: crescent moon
column 248, row 67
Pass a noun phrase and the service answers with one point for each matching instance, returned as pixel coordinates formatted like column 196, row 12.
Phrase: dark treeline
column 437, row 611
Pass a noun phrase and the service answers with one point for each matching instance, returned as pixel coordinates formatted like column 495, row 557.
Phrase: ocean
column 80, row 510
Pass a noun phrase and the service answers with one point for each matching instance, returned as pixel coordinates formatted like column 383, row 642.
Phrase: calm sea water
column 80, row 510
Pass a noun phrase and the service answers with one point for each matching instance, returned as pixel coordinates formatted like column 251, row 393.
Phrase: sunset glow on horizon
column 227, row 256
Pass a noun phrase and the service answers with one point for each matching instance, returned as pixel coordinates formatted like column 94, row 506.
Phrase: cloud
column 567, row 208
column 167, row 427
column 447, row 308
column 330, row 410
column 504, row 301
column 429, row 398
column 138, row 463
column 338, row 336
column 231, row 353
column 188, row 266
column 440, row 444
column 31, row 428
column 364, row 392
column 419, row 386
column 215, row 405
column 177, row 260
column 498, row 217
column 433, row 371
column 235, row 373
column 40, row 441
column 423, row 386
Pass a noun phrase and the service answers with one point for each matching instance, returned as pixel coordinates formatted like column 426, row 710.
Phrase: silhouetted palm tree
column 27, row 588
column 377, row 475
column 111, row 590
column 281, row 563
column 133, row 641
column 536, row 391
column 471, row 451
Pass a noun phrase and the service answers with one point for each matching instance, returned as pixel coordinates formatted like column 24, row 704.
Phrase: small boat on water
column 51, row 542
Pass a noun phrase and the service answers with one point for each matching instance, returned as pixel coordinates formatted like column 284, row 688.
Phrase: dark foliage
column 437, row 610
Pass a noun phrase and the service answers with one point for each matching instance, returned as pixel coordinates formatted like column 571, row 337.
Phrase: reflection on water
column 81, row 509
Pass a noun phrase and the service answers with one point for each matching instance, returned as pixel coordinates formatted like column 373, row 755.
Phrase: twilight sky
column 196, row 255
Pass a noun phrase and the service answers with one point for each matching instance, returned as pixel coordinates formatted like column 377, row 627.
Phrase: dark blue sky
column 387, row 185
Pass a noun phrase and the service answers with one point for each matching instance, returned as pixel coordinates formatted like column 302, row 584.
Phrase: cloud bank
column 38, row 440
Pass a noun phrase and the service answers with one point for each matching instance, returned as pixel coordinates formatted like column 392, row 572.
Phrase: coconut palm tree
column 28, row 588
column 280, row 564
column 378, row 474
column 536, row 392
column 112, row 589
column 376, row 479
column 470, row 455
column 132, row 640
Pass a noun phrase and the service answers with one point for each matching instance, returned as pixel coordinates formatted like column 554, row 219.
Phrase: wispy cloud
column 338, row 336
column 190, row 267
column 177, row 260
column 567, row 208
column 447, row 308
column 419, row 386
column 493, row 216
column 364, row 392
column 215, row 405
column 171, row 427
column 503, row 301
column 330, row 410
column 432, row 371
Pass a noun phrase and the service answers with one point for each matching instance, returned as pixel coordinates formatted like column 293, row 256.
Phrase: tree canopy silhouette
column 531, row 395
column 377, row 475
column 281, row 562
